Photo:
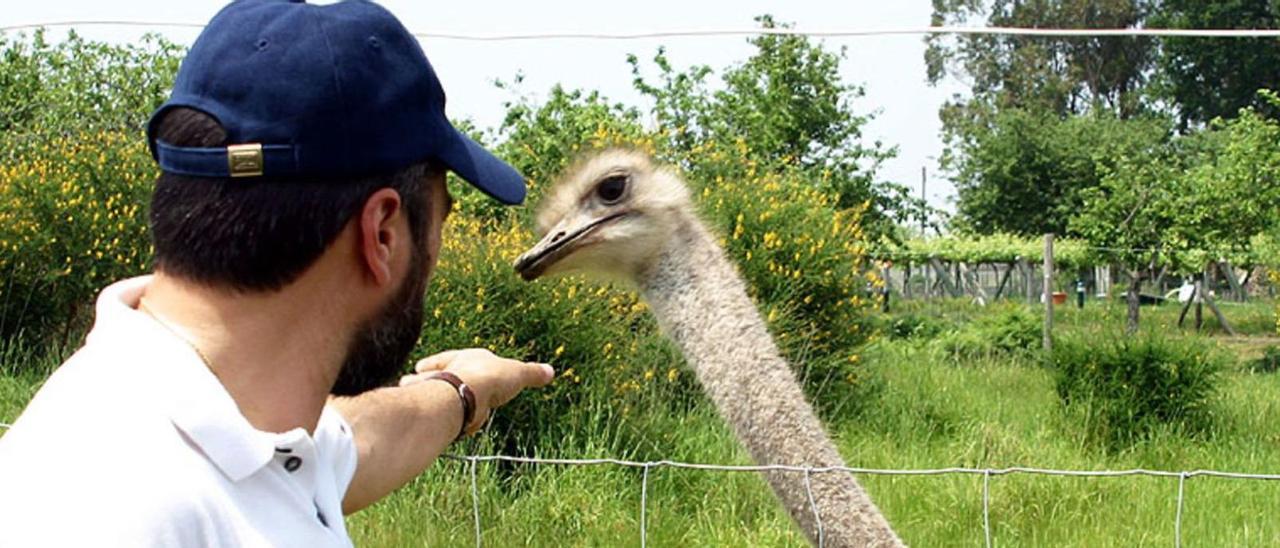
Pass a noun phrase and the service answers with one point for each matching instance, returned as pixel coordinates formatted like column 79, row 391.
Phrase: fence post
column 906, row 282
column 475, row 502
column 1024, row 267
column 1048, row 292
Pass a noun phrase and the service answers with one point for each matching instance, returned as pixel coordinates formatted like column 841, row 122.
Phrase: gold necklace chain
column 147, row 310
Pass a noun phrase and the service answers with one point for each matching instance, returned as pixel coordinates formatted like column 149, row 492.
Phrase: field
column 930, row 411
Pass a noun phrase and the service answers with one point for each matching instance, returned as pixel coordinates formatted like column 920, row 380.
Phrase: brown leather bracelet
column 465, row 394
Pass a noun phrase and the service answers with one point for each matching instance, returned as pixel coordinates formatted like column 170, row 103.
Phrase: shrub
column 912, row 326
column 1014, row 331
column 1127, row 388
column 1269, row 362
column 73, row 219
column 801, row 258
column 75, row 174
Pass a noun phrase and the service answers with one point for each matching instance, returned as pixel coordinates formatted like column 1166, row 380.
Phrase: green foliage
column 1230, row 190
column 72, row 220
column 1052, row 126
column 913, row 326
column 1269, row 362
column 1208, row 78
column 994, row 248
column 1026, row 172
column 542, row 139
column 791, row 108
column 1127, row 389
column 1128, row 209
column 1056, row 76
column 1013, row 331
column 1132, row 190
column 75, row 219
column 75, row 174
column 51, row 90
column 1018, row 146
column 602, row 338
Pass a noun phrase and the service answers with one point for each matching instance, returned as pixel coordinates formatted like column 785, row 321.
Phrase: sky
column 891, row 69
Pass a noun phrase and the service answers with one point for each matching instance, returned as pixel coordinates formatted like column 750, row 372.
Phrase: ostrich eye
column 611, row 189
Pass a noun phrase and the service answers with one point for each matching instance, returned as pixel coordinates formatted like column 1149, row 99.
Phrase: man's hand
column 495, row 380
column 399, row 431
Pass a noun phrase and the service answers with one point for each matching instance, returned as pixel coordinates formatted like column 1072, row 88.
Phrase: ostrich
column 619, row 216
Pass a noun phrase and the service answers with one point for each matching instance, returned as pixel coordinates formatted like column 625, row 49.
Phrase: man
column 296, row 222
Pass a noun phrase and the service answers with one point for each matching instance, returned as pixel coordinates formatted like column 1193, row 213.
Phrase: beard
column 380, row 346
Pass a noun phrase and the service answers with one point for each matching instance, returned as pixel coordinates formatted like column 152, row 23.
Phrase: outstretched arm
column 401, row 430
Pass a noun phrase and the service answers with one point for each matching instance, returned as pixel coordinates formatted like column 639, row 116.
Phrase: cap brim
column 484, row 170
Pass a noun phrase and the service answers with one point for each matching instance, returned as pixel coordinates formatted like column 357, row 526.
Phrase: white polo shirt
column 134, row 442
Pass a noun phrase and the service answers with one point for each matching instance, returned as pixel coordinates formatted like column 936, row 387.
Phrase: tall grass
column 992, row 411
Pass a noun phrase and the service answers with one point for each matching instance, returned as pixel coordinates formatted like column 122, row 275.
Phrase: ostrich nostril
column 557, row 237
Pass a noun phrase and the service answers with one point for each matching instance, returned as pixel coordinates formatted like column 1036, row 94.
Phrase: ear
column 378, row 231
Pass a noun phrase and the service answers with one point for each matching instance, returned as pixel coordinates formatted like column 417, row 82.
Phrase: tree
column 1022, row 146
column 1129, row 213
column 788, row 105
column 1188, row 201
column 1207, row 78
column 1025, row 172
column 1062, row 75
column 1230, row 190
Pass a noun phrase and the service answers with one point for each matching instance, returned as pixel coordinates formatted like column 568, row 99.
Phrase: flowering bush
column 73, row 219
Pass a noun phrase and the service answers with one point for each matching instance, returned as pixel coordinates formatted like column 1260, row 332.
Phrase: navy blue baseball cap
column 319, row 90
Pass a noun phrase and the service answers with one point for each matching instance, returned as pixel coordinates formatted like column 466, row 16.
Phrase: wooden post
column 1237, row 289
column 1027, row 286
column 1222, row 320
column 1133, row 298
column 975, row 284
column 1003, row 279
column 1048, row 292
column 1199, row 301
column 887, row 277
column 1159, row 280
column 906, row 283
column 944, row 278
column 924, row 276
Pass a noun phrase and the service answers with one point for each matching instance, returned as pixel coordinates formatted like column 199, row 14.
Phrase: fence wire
column 834, row 32
column 808, row 471
column 473, row 461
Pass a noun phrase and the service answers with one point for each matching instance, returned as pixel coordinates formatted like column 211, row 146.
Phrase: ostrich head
column 610, row 215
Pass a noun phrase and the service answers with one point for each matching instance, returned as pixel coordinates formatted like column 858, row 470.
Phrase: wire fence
column 646, row 467
column 808, row 471
column 839, row 32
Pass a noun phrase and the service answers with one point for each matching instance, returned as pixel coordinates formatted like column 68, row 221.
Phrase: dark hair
column 259, row 234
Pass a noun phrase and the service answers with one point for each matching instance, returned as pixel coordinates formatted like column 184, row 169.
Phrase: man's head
column 296, row 129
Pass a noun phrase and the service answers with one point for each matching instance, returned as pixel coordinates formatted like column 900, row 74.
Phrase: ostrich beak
column 569, row 235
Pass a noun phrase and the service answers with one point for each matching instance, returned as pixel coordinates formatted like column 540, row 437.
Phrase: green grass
column 931, row 411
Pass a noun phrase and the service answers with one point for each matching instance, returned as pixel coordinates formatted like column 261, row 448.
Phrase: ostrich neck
column 703, row 305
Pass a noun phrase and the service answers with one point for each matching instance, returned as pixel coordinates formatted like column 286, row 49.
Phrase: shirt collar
column 197, row 402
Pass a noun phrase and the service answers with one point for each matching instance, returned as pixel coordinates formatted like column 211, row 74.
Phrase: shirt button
column 292, row 463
